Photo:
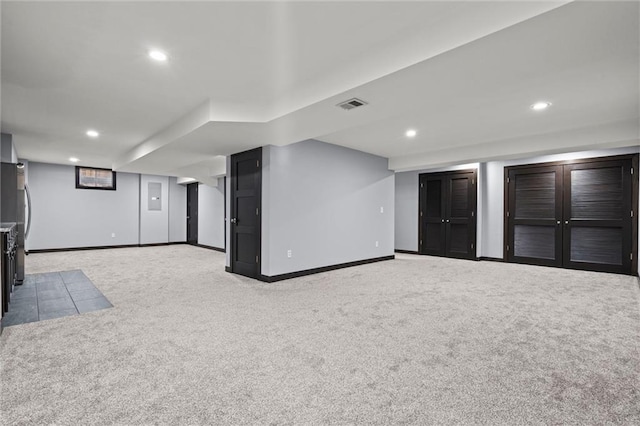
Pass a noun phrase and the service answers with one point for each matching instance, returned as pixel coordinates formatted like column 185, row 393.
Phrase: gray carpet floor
column 417, row 340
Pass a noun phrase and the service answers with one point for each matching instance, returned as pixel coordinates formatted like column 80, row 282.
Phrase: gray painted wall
column 154, row 224
column 211, row 215
column 323, row 202
column 177, row 211
column 8, row 152
column 65, row 217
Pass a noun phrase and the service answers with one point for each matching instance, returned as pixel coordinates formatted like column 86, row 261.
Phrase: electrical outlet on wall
column 381, row 209
column 113, row 235
column 377, row 244
column 288, row 253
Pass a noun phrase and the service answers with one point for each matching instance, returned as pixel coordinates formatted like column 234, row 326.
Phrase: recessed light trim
column 93, row 133
column 539, row 106
column 74, row 159
column 158, row 55
column 411, row 133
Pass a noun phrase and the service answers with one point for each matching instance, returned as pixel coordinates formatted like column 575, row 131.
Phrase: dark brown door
column 597, row 219
column 575, row 216
column 461, row 215
column 534, row 215
column 448, row 214
column 432, row 214
column 246, row 193
column 192, row 213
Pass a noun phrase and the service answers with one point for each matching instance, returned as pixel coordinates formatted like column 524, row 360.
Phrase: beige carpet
column 416, row 340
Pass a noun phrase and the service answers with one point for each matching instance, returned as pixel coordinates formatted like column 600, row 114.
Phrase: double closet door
column 573, row 215
column 447, row 214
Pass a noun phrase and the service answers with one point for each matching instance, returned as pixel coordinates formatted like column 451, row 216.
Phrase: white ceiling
column 247, row 74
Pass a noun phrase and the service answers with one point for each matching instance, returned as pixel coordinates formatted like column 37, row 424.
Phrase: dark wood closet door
column 432, row 215
column 534, row 215
column 192, row 213
column 461, row 215
column 448, row 214
column 597, row 216
column 246, row 196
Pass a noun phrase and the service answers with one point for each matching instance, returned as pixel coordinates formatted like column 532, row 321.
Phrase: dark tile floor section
column 53, row 295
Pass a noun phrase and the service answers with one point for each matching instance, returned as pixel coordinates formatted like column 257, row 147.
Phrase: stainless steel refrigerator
column 14, row 193
column 24, row 207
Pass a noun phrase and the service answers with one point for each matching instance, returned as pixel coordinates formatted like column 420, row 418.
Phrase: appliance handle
column 26, row 190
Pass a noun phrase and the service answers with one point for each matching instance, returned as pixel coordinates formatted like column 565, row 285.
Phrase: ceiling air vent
column 351, row 104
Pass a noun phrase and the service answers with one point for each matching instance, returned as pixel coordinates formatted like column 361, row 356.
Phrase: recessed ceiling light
column 92, row 133
column 410, row 133
column 539, row 106
column 74, row 159
column 158, row 55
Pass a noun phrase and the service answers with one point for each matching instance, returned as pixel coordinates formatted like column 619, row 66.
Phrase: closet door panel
column 596, row 245
column 597, row 216
column 460, row 214
column 534, row 214
column 432, row 229
column 536, row 242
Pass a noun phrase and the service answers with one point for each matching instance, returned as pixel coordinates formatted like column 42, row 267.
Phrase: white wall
column 65, row 217
column 211, row 215
column 323, row 202
column 177, row 211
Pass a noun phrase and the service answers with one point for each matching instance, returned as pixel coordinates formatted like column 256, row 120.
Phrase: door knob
column 234, row 220
column 566, row 222
column 442, row 220
column 558, row 222
column 448, row 221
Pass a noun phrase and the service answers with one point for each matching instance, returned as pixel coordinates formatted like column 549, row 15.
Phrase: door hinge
column 631, row 256
column 256, row 211
column 422, row 185
column 473, row 181
column 508, row 180
column 507, row 247
column 631, row 213
column 420, row 214
column 420, row 242
column 471, row 246
column 258, row 163
column 507, row 214
column 472, row 213
column 632, row 170
column 256, row 258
